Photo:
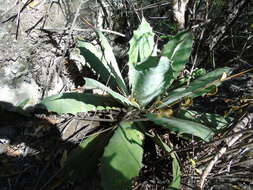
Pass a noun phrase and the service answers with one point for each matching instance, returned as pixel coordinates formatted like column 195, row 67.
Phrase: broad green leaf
column 122, row 159
column 142, row 43
column 83, row 160
column 104, row 64
column 141, row 47
column 122, row 99
column 97, row 62
column 77, row 102
column 196, row 88
column 154, row 75
column 150, row 79
column 112, row 63
column 215, row 121
column 178, row 51
column 182, row 126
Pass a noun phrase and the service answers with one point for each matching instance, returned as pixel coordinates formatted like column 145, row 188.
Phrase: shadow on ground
column 32, row 153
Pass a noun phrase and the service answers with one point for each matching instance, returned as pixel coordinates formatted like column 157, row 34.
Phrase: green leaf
column 215, row 121
column 142, row 43
column 122, row 158
column 97, row 62
column 178, row 50
column 77, row 102
column 104, row 64
column 196, row 88
column 83, row 160
column 150, row 79
column 141, row 47
column 183, row 126
column 112, row 63
column 198, row 73
column 154, row 75
column 23, row 103
column 95, row 84
column 176, row 181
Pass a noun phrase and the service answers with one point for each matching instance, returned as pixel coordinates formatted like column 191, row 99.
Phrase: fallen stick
column 228, row 143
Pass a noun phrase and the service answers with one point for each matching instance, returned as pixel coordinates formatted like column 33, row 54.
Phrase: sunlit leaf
column 154, row 75
column 104, row 64
column 178, row 50
column 111, row 62
column 183, row 126
column 141, row 47
column 150, row 79
column 97, row 62
column 122, row 159
column 95, row 84
column 142, row 43
column 77, row 102
column 214, row 121
column 196, row 88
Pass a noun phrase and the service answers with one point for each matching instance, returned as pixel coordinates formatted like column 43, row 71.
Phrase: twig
column 210, row 143
column 221, row 30
column 12, row 7
column 73, row 25
column 96, row 119
column 195, row 57
column 17, row 16
column 154, row 5
column 229, row 142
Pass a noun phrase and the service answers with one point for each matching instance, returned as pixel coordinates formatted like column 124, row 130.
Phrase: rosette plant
column 117, row 154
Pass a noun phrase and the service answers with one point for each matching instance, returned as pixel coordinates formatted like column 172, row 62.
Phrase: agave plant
column 150, row 92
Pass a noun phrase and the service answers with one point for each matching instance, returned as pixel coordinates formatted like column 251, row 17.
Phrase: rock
column 3, row 148
column 15, row 84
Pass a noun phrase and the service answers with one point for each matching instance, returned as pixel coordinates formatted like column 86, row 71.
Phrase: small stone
column 3, row 148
